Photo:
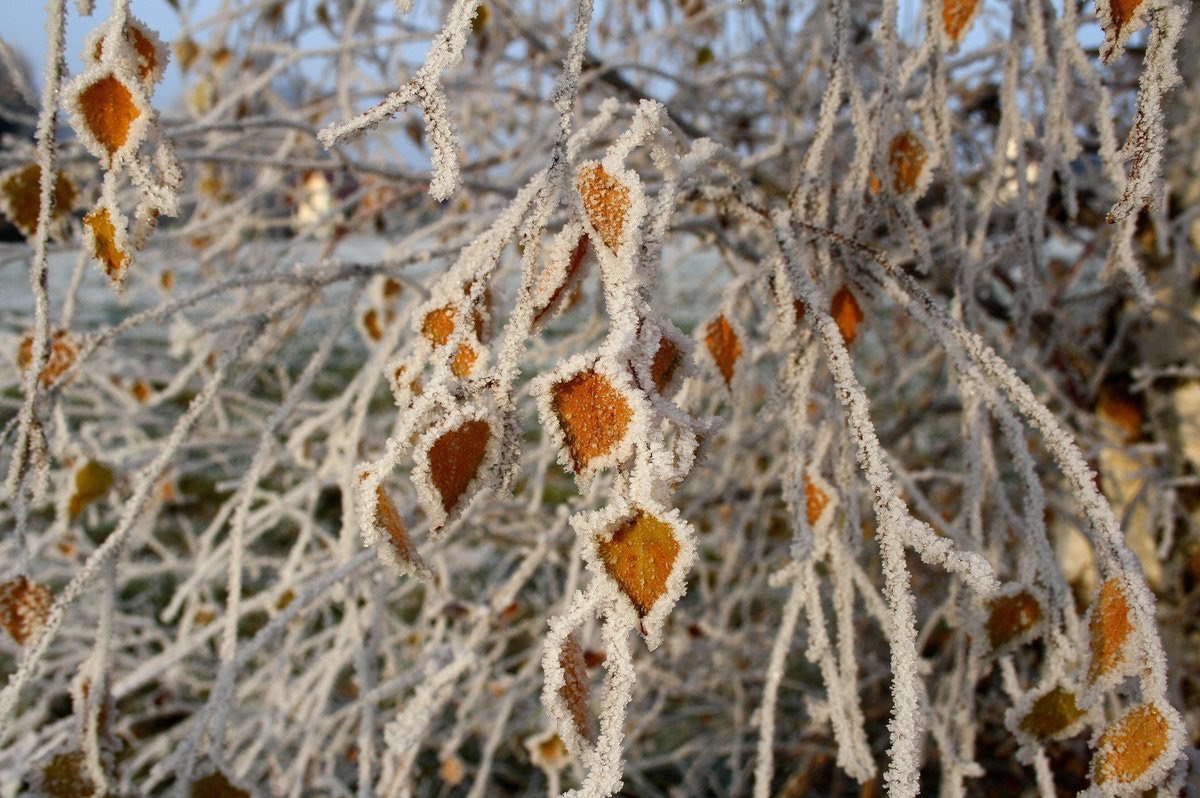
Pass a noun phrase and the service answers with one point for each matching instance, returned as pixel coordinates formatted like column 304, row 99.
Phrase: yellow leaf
column 1051, row 714
column 107, row 243
column 639, row 557
column 92, row 481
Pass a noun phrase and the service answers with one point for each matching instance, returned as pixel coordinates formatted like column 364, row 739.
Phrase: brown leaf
column 956, row 15
column 845, row 310
column 454, row 460
column 1051, row 714
column 24, row 607
column 906, row 159
column 1011, row 616
column 574, row 690
column 21, row 195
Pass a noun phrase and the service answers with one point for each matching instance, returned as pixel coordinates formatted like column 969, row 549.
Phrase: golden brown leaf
column 92, row 481
column 105, row 246
column 21, row 194
column 1011, row 616
column 665, row 363
column 62, row 355
column 906, row 159
column 956, row 15
column 574, row 690
column 1051, row 714
column 639, row 557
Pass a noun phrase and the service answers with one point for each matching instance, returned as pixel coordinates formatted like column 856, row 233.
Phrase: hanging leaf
column 558, row 279
column 62, row 356
column 606, row 201
column 387, row 531
column 106, row 239
column 449, row 465
column 594, row 416
column 107, row 115
column 666, row 363
column 574, row 691
column 24, row 607
column 1054, row 715
column 1135, row 750
column 21, row 193
column 147, row 49
column 464, row 361
column 845, row 310
column 724, row 345
column 906, row 159
column 1110, row 629
column 92, row 481
column 957, row 16
column 1118, row 18
column 1012, row 617
column 640, row 556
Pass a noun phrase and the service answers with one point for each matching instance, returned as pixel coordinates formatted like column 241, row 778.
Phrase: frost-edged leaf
column 643, row 550
column 667, row 360
column 561, row 275
column 670, row 354
column 1051, row 715
column 63, row 352
column 91, row 482
column 450, row 464
column 1014, row 616
column 1136, row 751
column 144, row 47
column 590, row 406
column 724, row 345
column 24, row 607
column 606, row 202
column 640, row 555
column 109, row 116
column 907, row 158
column 574, row 691
column 384, row 528
column 106, row 237
column 21, row 193
column 957, row 16
column 1119, row 19
column 848, row 314
column 1110, row 633
column 464, row 360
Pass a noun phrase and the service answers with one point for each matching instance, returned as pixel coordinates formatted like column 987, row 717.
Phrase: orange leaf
column 105, row 244
column 1131, row 746
column 606, row 201
column 724, row 346
column 109, row 112
column 1119, row 408
column 454, row 460
column 845, row 310
column 1109, row 630
column 956, row 16
column 62, row 355
column 906, row 159
column 1011, row 616
column 815, row 500
column 593, row 414
column 24, row 607
column 1122, row 12
column 639, row 557
column 21, row 194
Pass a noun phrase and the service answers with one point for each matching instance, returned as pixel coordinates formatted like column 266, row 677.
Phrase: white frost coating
column 425, row 88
